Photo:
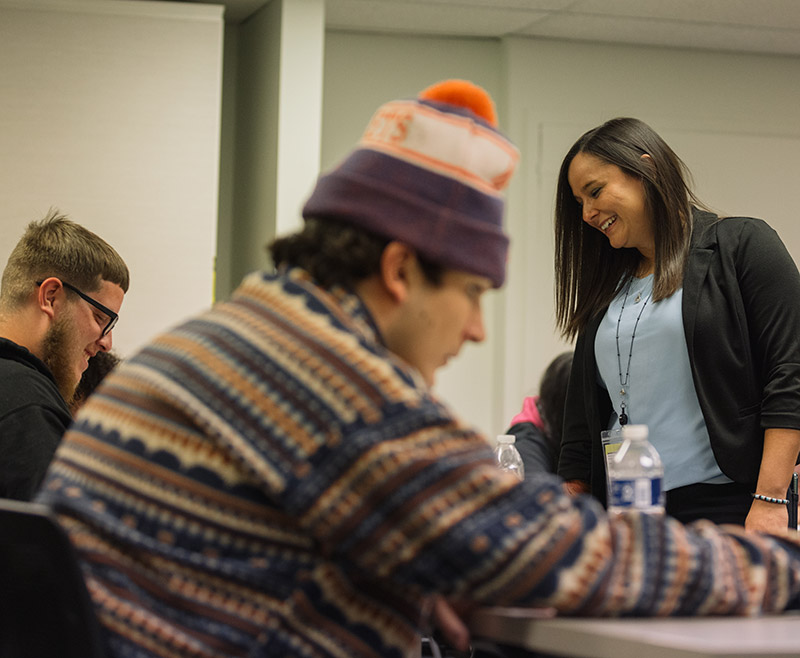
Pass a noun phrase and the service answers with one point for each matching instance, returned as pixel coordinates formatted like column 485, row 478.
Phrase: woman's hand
column 777, row 465
column 767, row 517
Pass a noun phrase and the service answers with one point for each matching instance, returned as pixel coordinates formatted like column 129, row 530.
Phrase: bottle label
column 636, row 493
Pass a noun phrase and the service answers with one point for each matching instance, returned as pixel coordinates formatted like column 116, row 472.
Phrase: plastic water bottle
column 637, row 475
column 507, row 455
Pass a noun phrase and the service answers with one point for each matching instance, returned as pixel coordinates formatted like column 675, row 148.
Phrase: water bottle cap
column 506, row 438
column 634, row 432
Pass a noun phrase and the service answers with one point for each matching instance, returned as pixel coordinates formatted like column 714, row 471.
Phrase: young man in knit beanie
column 275, row 477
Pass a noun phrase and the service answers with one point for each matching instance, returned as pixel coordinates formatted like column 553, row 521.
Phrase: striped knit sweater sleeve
column 266, row 480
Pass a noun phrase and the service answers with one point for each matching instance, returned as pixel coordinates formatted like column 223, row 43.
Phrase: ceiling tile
column 676, row 34
column 749, row 13
column 429, row 18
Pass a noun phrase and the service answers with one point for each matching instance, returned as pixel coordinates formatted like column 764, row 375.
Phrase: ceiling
column 755, row 26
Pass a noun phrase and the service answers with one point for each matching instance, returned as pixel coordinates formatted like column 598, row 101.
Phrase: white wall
column 109, row 110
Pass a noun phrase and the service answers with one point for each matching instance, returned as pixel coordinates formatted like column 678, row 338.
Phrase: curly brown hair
column 337, row 253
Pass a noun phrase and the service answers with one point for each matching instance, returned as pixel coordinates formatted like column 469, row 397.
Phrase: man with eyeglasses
column 60, row 298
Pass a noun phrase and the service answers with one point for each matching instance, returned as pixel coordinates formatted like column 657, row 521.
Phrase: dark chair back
column 45, row 610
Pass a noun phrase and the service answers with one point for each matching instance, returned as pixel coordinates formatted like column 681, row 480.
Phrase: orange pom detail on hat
column 463, row 93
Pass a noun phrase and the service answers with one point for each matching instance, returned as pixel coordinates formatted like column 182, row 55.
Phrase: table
column 696, row 637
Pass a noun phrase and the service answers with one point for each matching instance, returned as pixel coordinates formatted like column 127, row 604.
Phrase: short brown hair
column 57, row 246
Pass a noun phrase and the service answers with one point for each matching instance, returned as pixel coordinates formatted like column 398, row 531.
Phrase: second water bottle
column 508, row 457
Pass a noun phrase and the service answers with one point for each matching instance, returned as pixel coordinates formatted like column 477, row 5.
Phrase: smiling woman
column 658, row 292
column 627, row 154
column 614, row 203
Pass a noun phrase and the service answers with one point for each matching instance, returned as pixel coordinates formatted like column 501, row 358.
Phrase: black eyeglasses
column 112, row 317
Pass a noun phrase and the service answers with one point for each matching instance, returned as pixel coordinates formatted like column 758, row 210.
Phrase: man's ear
column 396, row 261
column 47, row 295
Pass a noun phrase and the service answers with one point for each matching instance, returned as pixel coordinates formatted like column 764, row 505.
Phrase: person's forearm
column 781, row 447
column 777, row 465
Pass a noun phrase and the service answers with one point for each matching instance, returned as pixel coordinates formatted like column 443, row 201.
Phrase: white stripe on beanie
column 446, row 143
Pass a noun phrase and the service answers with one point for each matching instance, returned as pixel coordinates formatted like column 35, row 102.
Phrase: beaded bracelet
column 770, row 499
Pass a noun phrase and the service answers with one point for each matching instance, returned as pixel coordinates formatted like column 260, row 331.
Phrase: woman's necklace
column 623, row 384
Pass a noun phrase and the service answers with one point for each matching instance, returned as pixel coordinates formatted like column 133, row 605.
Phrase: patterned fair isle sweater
column 266, row 480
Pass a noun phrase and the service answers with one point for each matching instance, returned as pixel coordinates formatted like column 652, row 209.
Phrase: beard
column 57, row 346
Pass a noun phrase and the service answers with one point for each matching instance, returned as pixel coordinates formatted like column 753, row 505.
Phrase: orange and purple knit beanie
column 429, row 172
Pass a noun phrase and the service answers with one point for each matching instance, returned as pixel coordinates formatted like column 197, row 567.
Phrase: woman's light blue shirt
column 660, row 390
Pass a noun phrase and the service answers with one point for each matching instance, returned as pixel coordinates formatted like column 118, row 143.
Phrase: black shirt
column 33, row 417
